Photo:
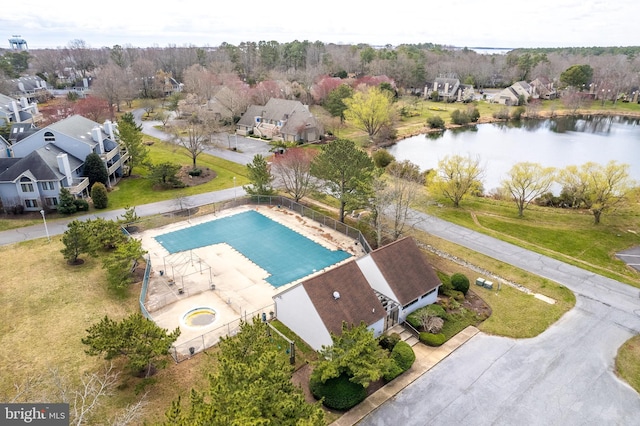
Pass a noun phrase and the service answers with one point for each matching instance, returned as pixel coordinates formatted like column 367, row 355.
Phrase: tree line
column 408, row 65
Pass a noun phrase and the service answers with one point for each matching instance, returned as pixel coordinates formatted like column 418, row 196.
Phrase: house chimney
column 108, row 129
column 446, row 88
column 435, row 86
column 21, row 86
column 64, row 167
column 23, row 102
column 16, row 110
column 96, row 135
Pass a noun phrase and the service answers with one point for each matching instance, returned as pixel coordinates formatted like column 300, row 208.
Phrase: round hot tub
column 199, row 317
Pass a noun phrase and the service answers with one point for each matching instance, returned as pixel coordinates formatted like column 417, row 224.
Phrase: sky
column 461, row 23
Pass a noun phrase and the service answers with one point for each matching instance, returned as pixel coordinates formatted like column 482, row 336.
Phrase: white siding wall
column 424, row 301
column 295, row 310
column 377, row 327
column 77, row 148
column 374, row 276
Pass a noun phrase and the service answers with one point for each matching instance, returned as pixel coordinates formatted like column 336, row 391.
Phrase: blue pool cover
column 285, row 254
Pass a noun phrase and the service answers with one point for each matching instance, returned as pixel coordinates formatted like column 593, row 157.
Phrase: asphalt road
column 565, row 376
column 234, row 148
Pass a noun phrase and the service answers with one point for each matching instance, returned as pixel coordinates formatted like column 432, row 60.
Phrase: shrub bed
column 431, row 339
column 338, row 393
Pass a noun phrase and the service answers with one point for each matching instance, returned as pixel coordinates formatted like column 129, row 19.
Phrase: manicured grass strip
column 514, row 313
column 628, row 362
column 563, row 234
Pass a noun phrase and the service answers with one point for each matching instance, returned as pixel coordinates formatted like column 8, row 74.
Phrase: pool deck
column 219, row 277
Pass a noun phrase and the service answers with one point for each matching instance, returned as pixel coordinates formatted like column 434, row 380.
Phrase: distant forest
column 409, row 66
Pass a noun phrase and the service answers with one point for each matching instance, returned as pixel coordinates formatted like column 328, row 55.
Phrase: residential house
column 280, row 119
column 379, row 289
column 47, row 159
column 32, row 87
column 449, row 90
column 542, row 88
column 18, row 110
column 4, row 148
column 34, row 182
column 17, row 131
column 511, row 95
column 218, row 107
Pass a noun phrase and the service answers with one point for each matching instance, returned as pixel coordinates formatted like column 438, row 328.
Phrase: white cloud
column 498, row 23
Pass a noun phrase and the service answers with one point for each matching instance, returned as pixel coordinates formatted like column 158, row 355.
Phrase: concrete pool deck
column 219, row 277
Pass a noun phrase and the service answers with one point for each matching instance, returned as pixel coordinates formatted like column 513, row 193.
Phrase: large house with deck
column 280, row 119
column 42, row 161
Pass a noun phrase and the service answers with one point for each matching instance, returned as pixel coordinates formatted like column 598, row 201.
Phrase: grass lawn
column 47, row 306
column 514, row 313
column 137, row 190
column 628, row 362
column 563, row 234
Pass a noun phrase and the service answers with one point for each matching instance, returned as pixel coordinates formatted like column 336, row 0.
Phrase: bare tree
column 143, row 71
column 236, row 98
column 393, row 194
column 80, row 54
column 201, row 82
column 292, row 169
column 83, row 399
column 110, row 85
column 194, row 133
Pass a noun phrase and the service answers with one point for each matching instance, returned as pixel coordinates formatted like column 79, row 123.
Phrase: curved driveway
column 565, row 376
column 245, row 148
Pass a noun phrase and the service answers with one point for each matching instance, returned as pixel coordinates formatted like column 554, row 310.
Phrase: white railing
column 77, row 189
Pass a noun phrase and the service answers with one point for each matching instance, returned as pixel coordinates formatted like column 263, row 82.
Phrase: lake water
column 554, row 142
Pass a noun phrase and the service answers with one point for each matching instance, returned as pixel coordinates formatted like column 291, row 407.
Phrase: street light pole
column 46, row 230
column 234, row 188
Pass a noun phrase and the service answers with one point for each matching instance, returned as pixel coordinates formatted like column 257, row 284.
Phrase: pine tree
column 95, row 170
column 259, row 176
column 130, row 136
column 99, row 196
column 76, row 241
column 66, row 202
column 251, row 385
column 346, row 171
column 140, row 340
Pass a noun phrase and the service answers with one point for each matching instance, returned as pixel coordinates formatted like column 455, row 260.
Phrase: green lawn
column 137, row 190
column 628, row 362
column 514, row 313
column 564, row 234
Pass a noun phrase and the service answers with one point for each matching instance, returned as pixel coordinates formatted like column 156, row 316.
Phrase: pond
column 557, row 142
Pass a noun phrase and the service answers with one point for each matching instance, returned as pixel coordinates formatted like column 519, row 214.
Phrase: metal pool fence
column 186, row 350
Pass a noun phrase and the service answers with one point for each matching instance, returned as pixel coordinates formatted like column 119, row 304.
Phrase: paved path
column 234, row 148
column 565, row 376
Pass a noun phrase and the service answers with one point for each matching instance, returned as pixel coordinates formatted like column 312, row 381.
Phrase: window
column 48, row 186
column 26, row 187
column 31, row 203
column 49, row 137
column 53, row 201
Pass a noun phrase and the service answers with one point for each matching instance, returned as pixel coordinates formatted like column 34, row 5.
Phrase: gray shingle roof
column 41, row 163
column 77, row 127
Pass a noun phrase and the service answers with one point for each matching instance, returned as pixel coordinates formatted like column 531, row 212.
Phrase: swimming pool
column 285, row 254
